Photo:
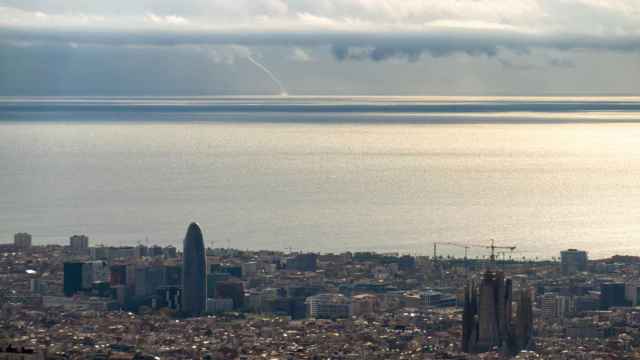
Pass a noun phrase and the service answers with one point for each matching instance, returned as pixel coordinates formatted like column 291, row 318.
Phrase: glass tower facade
column 194, row 289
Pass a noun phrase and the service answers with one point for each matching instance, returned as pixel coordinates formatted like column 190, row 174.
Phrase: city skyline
column 451, row 307
column 378, row 179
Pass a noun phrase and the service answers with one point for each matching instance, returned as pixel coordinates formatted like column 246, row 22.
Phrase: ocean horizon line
column 331, row 110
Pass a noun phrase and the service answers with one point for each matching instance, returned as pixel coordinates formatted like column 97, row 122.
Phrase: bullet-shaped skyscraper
column 194, row 290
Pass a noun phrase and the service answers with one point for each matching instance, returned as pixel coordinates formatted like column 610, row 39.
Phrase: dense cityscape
column 150, row 302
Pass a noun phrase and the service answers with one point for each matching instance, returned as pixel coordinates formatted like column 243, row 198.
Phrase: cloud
column 300, row 55
column 562, row 63
column 226, row 54
column 166, row 20
column 516, row 65
column 374, row 30
column 534, row 60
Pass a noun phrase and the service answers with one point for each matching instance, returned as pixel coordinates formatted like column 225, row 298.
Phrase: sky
column 319, row 47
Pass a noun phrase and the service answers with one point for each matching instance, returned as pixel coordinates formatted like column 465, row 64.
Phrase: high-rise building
column 549, row 305
column 612, row 294
column 565, row 306
column 172, row 275
column 524, row 321
column 556, row 306
column 632, row 293
column 38, row 286
column 231, row 289
column 142, row 282
column 170, row 252
column 487, row 317
column 328, row 306
column 156, row 251
column 72, row 278
column 99, row 253
column 303, row 262
column 142, row 250
column 94, row 271
column 218, row 305
column 212, row 280
column 194, row 286
column 118, row 274
column 407, row 262
column 123, row 252
column 22, row 240
column 79, row 242
column 169, row 297
column 572, row 261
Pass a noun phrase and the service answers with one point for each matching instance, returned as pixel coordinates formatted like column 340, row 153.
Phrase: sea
column 326, row 174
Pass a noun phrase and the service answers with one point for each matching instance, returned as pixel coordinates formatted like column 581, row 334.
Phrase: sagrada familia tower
column 488, row 323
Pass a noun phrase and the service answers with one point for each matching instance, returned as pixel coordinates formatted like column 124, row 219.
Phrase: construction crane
column 435, row 248
column 466, row 250
column 493, row 248
column 466, row 247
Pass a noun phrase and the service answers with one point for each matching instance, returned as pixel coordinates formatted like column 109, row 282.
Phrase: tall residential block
column 572, row 261
column 79, row 242
column 22, row 240
column 194, row 287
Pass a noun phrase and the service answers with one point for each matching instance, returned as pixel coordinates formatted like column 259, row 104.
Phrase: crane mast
column 492, row 247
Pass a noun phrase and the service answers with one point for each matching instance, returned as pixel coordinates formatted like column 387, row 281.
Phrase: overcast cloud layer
column 520, row 35
column 381, row 28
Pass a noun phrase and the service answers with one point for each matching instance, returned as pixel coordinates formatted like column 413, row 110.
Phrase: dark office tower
column 118, row 275
column 194, row 287
column 612, row 294
column 72, row 278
